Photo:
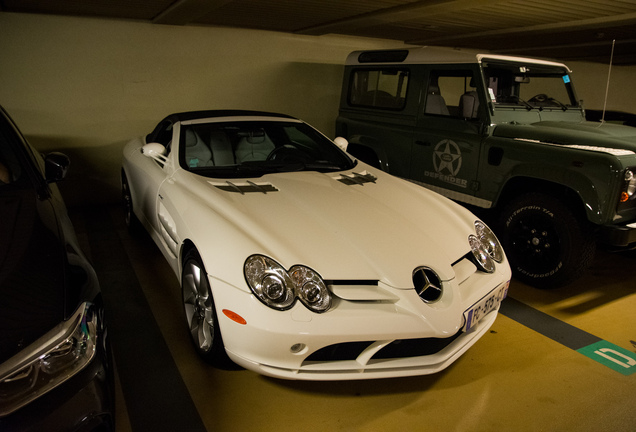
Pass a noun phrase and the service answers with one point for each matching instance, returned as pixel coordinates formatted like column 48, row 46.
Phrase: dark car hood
column 33, row 294
column 594, row 134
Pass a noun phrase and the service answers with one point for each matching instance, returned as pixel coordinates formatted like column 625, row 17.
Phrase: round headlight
column 269, row 281
column 310, row 288
column 273, row 287
column 481, row 254
column 489, row 241
column 631, row 183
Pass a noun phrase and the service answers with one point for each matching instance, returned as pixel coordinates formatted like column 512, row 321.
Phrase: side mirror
column 55, row 167
column 155, row 151
column 342, row 143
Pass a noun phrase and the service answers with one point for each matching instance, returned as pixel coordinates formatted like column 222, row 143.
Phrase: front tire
column 132, row 222
column 547, row 244
column 200, row 312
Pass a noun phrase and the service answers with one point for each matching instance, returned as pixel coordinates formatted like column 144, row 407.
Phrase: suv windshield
column 254, row 148
column 530, row 85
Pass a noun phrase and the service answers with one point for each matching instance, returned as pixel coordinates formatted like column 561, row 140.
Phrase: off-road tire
column 547, row 243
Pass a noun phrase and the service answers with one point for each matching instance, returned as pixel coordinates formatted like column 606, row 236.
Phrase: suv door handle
column 423, row 143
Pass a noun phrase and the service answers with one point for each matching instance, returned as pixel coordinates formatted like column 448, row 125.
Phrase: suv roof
column 429, row 55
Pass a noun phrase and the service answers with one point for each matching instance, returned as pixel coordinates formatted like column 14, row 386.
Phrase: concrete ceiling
column 582, row 30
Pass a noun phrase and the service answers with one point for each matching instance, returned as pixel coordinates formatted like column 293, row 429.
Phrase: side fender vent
column 356, row 178
column 245, row 187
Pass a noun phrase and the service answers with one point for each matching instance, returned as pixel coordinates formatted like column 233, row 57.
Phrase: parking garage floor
column 557, row 360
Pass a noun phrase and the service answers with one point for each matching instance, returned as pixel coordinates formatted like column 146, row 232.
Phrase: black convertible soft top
column 192, row 115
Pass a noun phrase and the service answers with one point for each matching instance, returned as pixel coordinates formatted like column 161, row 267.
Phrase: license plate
column 485, row 305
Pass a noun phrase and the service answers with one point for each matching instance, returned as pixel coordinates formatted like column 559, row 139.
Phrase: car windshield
column 241, row 149
column 529, row 85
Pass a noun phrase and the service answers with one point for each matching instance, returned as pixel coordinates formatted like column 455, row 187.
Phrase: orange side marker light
column 234, row 317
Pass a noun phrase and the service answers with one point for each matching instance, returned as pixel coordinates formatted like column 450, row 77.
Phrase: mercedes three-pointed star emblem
column 427, row 284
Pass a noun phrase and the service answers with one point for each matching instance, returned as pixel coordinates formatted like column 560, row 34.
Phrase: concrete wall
column 85, row 86
column 591, row 84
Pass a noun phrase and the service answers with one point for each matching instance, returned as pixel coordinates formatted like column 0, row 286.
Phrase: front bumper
column 621, row 236
column 366, row 366
column 356, row 339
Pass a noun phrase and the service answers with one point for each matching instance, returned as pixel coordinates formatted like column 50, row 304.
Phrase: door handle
column 423, row 143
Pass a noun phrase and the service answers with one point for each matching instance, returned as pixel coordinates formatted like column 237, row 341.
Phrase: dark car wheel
column 546, row 243
column 200, row 313
column 132, row 222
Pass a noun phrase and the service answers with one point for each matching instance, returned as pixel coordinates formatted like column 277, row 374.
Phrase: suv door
column 378, row 114
column 447, row 138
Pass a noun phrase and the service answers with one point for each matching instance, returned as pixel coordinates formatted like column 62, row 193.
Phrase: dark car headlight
column 279, row 288
column 49, row 361
column 485, row 247
column 629, row 186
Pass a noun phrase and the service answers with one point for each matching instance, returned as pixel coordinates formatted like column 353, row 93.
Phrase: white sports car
column 299, row 262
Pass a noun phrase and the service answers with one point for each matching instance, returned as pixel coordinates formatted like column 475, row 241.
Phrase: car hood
column 37, row 290
column 365, row 226
column 593, row 134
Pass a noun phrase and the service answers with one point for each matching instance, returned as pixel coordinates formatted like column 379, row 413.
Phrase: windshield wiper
column 563, row 107
column 306, row 166
column 259, row 169
column 523, row 102
column 323, row 167
column 234, row 171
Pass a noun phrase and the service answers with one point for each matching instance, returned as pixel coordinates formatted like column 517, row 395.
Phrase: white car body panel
column 365, row 240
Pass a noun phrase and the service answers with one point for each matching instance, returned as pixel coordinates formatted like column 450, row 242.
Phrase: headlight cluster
column 485, row 247
column 49, row 361
column 630, row 186
column 279, row 288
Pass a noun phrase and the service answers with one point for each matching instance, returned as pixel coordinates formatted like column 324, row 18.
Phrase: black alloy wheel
column 547, row 244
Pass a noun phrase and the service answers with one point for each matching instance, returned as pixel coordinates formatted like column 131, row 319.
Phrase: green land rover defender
column 500, row 133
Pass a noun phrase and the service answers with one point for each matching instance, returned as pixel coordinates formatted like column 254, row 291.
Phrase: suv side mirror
column 55, row 167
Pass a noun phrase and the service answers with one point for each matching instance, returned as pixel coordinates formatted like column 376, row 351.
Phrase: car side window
column 162, row 134
column 452, row 93
column 10, row 170
column 6, row 176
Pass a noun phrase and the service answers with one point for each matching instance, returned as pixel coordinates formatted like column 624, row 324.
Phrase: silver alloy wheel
column 132, row 223
column 198, row 305
column 127, row 201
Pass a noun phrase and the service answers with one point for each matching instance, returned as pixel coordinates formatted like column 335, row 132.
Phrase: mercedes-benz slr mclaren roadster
column 298, row 261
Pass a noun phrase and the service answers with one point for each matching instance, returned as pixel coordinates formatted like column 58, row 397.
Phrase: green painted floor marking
column 612, row 356
column 605, row 353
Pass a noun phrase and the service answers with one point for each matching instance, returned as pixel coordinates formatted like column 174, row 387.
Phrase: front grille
column 339, row 352
column 400, row 348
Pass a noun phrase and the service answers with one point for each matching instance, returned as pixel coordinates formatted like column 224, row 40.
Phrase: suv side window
column 452, row 93
column 379, row 88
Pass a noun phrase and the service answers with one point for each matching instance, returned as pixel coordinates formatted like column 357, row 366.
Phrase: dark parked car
column 55, row 368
